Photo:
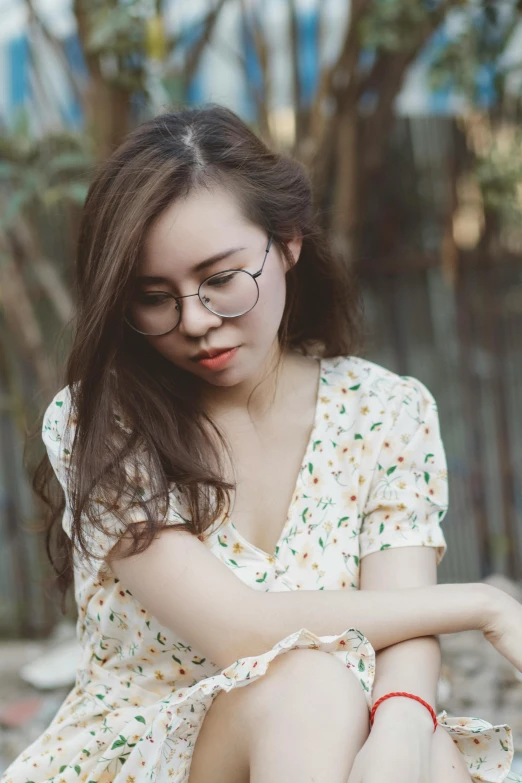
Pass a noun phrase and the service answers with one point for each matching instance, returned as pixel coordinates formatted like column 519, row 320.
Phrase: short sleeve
column 58, row 428
column 408, row 495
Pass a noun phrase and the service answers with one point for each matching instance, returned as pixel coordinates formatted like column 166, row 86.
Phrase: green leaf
column 140, row 718
column 377, row 424
column 381, row 528
column 426, row 458
column 391, row 470
column 77, row 769
column 358, row 437
column 354, row 388
column 310, row 468
column 119, row 743
column 262, row 578
column 427, row 478
column 177, row 661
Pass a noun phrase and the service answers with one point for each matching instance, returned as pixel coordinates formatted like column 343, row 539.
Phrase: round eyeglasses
column 228, row 294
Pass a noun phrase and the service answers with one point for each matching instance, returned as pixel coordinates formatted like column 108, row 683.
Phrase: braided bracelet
column 410, row 696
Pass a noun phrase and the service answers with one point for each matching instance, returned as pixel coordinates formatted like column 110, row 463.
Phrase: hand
column 395, row 752
column 503, row 626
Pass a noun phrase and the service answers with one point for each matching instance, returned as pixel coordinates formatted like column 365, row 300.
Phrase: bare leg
column 304, row 720
column 447, row 762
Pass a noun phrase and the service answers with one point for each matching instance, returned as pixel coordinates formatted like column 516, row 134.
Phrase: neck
column 260, row 392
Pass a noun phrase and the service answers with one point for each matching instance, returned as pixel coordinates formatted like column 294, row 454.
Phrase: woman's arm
column 414, row 664
column 185, row 586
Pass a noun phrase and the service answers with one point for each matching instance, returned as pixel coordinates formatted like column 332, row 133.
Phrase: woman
column 246, row 502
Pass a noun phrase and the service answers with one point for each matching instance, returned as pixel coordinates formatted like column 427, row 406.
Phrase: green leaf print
column 361, row 665
column 303, row 515
column 87, row 752
column 390, row 470
column 426, row 458
column 77, row 769
column 427, row 478
column 321, row 543
column 59, row 403
column 385, row 546
column 343, row 519
column 381, row 528
column 354, row 388
column 358, row 436
column 377, row 424
column 310, row 468
column 140, row 718
column 233, row 563
column 221, row 543
column 177, row 661
column 356, row 560
column 119, row 743
column 262, row 578
column 62, row 768
column 343, row 409
column 316, row 443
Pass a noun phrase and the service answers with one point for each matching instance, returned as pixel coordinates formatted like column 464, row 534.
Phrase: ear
column 295, row 248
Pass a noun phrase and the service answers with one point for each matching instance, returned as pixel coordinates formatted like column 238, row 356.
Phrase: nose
column 196, row 320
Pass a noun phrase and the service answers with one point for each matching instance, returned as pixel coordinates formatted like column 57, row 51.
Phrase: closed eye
column 153, row 298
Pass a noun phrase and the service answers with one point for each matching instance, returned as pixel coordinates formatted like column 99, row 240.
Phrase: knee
column 312, row 679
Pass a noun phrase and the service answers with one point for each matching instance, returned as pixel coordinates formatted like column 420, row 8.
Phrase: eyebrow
column 198, row 268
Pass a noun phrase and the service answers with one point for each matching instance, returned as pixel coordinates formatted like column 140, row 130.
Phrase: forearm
column 412, row 666
column 385, row 617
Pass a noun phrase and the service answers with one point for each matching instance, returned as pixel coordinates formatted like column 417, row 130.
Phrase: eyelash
column 146, row 297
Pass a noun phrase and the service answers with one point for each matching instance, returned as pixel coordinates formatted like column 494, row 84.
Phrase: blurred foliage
column 41, row 171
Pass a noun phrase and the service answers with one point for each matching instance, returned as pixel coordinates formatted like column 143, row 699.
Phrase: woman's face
column 188, row 233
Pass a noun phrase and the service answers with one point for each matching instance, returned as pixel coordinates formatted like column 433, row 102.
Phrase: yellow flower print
column 315, row 566
column 324, row 400
column 237, row 548
column 315, row 480
column 365, row 410
column 303, row 557
column 362, row 480
column 159, row 675
column 130, row 779
column 343, row 582
column 348, row 498
column 327, row 526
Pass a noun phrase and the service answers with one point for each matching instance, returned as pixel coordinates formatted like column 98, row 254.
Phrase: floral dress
column 373, row 476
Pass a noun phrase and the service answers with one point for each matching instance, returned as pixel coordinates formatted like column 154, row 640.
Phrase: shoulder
column 365, row 378
column 372, row 397
column 58, row 418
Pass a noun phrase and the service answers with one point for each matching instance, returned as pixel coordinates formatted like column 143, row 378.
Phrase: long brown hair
column 110, row 367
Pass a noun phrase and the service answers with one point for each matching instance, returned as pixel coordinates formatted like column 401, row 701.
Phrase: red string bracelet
column 411, row 696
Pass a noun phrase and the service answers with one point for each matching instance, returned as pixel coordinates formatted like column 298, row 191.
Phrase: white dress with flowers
column 373, row 476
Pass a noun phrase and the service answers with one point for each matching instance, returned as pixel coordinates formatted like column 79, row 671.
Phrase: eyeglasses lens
column 228, row 294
